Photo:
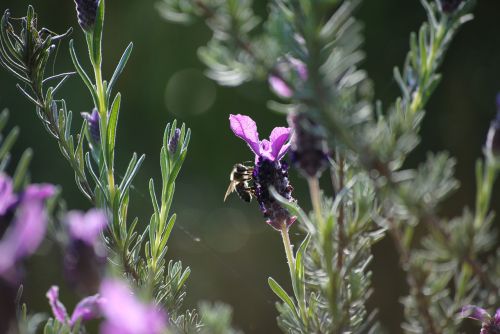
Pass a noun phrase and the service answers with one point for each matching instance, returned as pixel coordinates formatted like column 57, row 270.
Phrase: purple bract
column 125, row 314
column 87, row 309
column 490, row 325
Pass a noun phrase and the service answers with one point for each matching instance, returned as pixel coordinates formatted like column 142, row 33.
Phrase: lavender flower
column 27, row 231
column 173, row 142
column 125, row 314
column 309, row 153
column 93, row 122
column 85, row 256
column 449, row 6
column 86, row 11
column 493, row 138
column 290, row 69
column 269, row 170
column 87, row 309
column 490, row 325
column 18, row 239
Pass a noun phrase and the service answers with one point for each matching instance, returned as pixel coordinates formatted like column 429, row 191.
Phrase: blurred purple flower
column 490, row 325
column 87, row 309
column 7, row 196
column 309, row 152
column 269, row 171
column 85, row 256
column 288, row 70
column 86, row 227
column 125, row 314
column 93, row 123
column 27, row 231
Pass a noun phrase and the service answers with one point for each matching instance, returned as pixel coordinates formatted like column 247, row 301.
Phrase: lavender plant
column 102, row 247
column 309, row 52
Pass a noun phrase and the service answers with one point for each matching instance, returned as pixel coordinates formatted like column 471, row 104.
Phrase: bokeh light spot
column 189, row 92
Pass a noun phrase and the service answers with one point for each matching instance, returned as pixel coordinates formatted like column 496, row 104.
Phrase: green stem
column 483, row 195
column 288, row 250
column 315, row 193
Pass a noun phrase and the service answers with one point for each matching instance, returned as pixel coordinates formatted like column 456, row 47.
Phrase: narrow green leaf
column 119, row 69
column 112, row 125
column 280, row 292
column 22, row 169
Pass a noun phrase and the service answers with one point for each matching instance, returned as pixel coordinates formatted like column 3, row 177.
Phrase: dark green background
column 227, row 245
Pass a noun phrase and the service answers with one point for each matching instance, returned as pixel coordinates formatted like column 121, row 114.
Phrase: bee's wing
column 230, row 189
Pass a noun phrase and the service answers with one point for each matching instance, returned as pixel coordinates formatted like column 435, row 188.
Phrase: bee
column 241, row 178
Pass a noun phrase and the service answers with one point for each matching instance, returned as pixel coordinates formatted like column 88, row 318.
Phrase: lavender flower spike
column 85, row 256
column 86, row 11
column 269, row 170
column 26, row 233
column 87, row 309
column 490, row 325
column 125, row 314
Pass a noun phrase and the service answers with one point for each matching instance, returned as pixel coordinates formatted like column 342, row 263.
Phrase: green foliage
column 374, row 195
column 216, row 319
column 140, row 255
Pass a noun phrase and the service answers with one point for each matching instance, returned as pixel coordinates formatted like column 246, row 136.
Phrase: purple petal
column 265, row 150
column 124, row 313
column 7, row 196
column 475, row 312
column 86, row 227
column 497, row 315
column 87, row 309
column 24, row 236
column 58, row 308
column 38, row 192
column 280, row 87
column 279, row 136
column 245, row 128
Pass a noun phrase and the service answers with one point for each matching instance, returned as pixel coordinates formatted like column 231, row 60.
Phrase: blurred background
column 229, row 248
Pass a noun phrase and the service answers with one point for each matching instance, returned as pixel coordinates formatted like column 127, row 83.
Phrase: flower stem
column 314, row 190
column 288, row 249
column 483, row 195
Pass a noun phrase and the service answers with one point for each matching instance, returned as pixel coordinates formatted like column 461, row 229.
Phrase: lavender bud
column 93, row 121
column 493, row 138
column 269, row 173
column 308, row 151
column 449, row 6
column 173, row 142
column 86, row 11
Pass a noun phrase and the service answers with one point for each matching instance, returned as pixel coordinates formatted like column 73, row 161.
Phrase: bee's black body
column 241, row 182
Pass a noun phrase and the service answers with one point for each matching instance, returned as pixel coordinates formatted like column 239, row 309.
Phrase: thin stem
column 413, row 278
column 315, row 193
column 340, row 220
column 483, row 195
column 288, row 249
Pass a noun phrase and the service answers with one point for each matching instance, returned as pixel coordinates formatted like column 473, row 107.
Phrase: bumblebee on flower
column 269, row 170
